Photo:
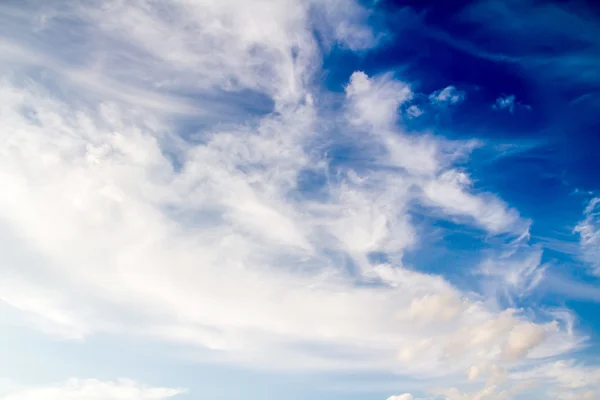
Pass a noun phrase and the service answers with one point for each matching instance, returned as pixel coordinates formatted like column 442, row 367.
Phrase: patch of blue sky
column 542, row 157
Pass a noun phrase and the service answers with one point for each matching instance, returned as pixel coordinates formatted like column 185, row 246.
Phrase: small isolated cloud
column 509, row 103
column 589, row 235
column 505, row 103
column 405, row 396
column 414, row 111
column 447, row 96
column 92, row 389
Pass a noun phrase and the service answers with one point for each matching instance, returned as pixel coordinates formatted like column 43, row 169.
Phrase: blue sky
column 325, row 199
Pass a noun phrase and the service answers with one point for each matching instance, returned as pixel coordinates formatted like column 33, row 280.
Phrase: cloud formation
column 447, row 96
column 191, row 223
column 588, row 230
column 505, row 103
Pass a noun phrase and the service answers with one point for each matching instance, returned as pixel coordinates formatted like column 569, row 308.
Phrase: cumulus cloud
column 375, row 102
column 92, row 389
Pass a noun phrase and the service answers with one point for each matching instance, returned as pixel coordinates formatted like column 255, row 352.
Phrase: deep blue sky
column 542, row 157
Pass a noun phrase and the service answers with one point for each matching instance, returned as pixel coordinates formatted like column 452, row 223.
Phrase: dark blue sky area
column 541, row 157
column 546, row 54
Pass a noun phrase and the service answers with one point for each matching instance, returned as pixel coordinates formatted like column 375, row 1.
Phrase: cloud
column 447, row 96
column 555, row 380
column 119, row 220
column 128, row 234
column 414, row 111
column 516, row 271
column 150, row 237
column 405, row 396
column 505, row 103
column 565, row 379
column 509, row 103
column 375, row 102
column 346, row 24
column 449, row 192
column 92, row 389
column 589, row 235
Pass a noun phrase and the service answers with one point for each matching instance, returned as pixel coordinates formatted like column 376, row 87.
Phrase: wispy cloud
column 588, row 230
column 144, row 227
column 571, row 32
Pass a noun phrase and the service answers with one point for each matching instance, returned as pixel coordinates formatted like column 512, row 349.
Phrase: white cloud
column 509, row 103
column 374, row 101
column 92, row 187
column 92, row 389
column 435, row 308
column 345, row 23
column 124, row 213
column 589, row 235
column 449, row 192
column 414, row 111
column 447, row 96
column 405, row 396
column 117, row 220
column 506, row 102
column 564, row 379
column 516, row 271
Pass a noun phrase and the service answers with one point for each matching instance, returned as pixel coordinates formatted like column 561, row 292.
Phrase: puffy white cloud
column 405, row 396
column 92, row 389
column 374, row 101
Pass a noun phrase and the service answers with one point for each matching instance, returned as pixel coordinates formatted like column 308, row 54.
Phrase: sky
column 324, row 199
